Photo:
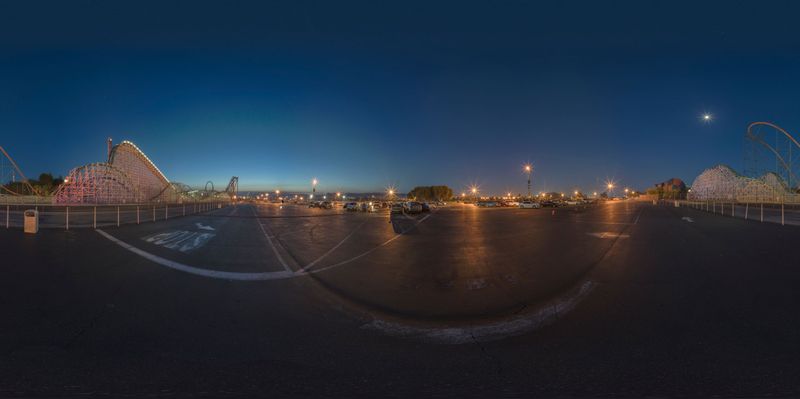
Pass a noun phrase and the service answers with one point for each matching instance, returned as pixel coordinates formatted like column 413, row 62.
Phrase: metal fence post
column 184, row 209
column 733, row 210
column 67, row 222
column 746, row 205
column 762, row 212
column 137, row 214
column 8, row 212
column 154, row 213
column 94, row 217
column 166, row 211
column 782, row 220
column 118, row 216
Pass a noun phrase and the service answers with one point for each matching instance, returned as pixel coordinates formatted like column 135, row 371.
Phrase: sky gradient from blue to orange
column 364, row 95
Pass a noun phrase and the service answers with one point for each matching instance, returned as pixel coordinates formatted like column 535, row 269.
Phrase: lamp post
column 313, row 187
column 529, row 170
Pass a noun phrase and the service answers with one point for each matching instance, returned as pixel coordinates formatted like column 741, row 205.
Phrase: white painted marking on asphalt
column 176, row 240
column 608, row 234
column 637, row 218
column 491, row 332
column 176, row 243
column 198, row 241
column 198, row 271
column 274, row 249
column 688, row 219
column 344, row 262
column 241, row 275
column 159, row 239
column 203, row 227
column 310, row 265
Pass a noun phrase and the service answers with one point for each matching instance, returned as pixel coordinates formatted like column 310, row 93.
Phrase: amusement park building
column 128, row 176
column 721, row 183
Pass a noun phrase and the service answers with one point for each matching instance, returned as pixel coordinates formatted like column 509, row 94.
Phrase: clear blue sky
column 363, row 95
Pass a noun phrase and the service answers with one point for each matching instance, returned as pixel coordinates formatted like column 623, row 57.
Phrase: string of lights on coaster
column 770, row 174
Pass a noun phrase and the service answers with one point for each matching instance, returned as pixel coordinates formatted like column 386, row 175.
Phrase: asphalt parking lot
column 622, row 298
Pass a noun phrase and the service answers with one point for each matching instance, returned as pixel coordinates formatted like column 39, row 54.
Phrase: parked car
column 487, row 204
column 413, row 207
column 529, row 205
column 397, row 207
column 549, row 204
column 326, row 205
column 426, row 207
column 351, row 206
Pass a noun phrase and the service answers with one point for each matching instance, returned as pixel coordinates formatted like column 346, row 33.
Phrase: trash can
column 31, row 221
column 677, row 204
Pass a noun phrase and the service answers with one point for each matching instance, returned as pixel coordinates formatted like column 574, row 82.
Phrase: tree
column 431, row 193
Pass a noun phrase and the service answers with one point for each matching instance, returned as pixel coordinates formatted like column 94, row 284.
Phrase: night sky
column 364, row 95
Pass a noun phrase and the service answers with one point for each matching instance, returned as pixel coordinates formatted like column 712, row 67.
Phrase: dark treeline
column 431, row 193
column 45, row 184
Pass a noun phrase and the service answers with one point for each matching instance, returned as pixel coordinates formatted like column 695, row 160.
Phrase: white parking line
column 243, row 276
column 545, row 315
column 274, row 249
column 310, row 265
column 196, row 270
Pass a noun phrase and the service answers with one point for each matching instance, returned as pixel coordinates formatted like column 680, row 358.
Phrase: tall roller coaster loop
column 777, row 153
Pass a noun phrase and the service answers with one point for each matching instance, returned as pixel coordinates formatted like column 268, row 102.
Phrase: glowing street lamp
column 528, row 168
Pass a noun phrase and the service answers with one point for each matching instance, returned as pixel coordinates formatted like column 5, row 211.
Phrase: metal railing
column 757, row 211
column 94, row 216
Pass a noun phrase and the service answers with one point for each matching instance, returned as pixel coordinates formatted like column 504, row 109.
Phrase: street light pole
column 529, row 170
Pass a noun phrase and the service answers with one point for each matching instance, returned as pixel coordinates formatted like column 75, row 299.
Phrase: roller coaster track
column 757, row 138
column 22, row 175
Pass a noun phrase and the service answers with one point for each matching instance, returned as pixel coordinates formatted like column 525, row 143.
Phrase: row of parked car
column 414, row 207
column 529, row 204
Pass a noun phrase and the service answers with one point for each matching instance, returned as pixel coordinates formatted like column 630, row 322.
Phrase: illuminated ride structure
column 128, row 177
column 771, row 172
